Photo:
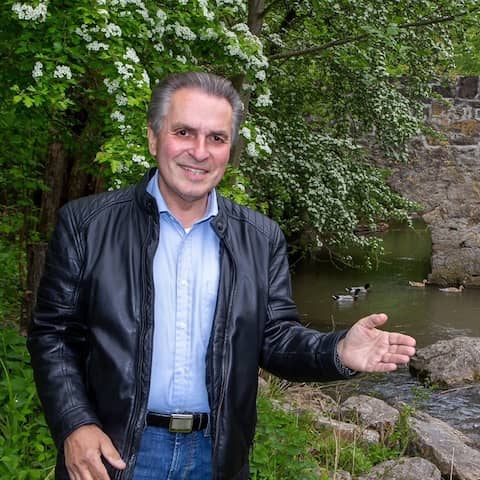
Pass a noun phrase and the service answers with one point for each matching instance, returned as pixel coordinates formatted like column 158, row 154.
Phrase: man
column 160, row 302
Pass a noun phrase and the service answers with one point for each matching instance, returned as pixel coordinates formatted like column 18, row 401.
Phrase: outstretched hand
column 367, row 349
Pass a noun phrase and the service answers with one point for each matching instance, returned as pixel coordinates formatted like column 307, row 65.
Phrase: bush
column 26, row 448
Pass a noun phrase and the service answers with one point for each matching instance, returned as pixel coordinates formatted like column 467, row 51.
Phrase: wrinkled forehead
column 200, row 110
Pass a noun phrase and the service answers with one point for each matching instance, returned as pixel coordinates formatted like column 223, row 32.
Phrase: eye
column 182, row 133
column 218, row 139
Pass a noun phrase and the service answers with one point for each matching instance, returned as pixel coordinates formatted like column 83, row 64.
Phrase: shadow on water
column 425, row 313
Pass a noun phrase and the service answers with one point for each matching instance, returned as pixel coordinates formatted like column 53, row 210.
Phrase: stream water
column 424, row 313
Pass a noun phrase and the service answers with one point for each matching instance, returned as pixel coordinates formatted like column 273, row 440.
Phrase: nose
column 199, row 150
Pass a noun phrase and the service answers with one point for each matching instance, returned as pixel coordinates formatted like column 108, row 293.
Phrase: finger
column 402, row 350
column 374, row 320
column 385, row 367
column 401, row 339
column 97, row 469
column 395, row 358
column 111, row 454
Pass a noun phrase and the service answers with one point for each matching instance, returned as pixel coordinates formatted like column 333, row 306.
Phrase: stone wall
column 443, row 175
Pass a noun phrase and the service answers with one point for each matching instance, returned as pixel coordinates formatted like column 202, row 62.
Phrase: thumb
column 110, row 453
column 374, row 320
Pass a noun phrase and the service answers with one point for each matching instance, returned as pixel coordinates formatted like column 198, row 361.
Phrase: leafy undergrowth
column 291, row 446
column 26, row 448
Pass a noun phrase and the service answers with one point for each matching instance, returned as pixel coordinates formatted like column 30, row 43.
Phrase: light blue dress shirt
column 186, row 269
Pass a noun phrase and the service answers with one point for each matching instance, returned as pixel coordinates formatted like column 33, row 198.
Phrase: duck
column 418, row 284
column 346, row 298
column 452, row 289
column 357, row 290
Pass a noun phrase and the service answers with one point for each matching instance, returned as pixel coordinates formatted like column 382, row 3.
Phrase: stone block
column 413, row 468
column 449, row 449
column 467, row 87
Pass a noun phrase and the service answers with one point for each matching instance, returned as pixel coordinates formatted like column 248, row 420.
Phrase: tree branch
column 318, row 48
column 356, row 38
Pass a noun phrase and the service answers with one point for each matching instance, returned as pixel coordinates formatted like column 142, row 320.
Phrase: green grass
column 26, row 448
column 290, row 446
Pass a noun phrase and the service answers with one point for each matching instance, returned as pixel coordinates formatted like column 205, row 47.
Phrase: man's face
column 192, row 148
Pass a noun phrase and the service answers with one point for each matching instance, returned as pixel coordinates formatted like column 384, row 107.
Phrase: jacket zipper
column 137, row 403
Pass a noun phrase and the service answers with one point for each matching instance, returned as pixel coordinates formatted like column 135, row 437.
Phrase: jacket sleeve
column 290, row 350
column 58, row 336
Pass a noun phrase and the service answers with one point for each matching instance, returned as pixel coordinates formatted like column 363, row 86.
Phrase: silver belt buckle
column 181, row 423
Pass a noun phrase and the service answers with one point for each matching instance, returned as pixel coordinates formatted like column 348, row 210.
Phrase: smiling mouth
column 194, row 171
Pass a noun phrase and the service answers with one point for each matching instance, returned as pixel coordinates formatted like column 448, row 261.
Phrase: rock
column 448, row 363
column 450, row 450
column 348, row 431
column 443, row 176
column 370, row 412
column 405, row 468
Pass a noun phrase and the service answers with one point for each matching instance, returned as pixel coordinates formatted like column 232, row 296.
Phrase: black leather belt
column 179, row 422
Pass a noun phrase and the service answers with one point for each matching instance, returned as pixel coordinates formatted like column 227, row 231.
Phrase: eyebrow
column 180, row 126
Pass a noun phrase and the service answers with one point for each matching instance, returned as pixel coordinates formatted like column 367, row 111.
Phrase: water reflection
column 425, row 313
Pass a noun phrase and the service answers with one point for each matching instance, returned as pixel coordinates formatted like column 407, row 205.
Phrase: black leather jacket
column 91, row 334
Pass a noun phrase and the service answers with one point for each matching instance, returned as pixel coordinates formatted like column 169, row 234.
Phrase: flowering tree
column 347, row 79
column 317, row 77
column 73, row 108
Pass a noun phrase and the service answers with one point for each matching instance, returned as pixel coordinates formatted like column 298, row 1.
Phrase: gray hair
column 206, row 82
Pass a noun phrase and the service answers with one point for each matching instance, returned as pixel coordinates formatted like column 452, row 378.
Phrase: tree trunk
column 36, row 259
column 55, row 174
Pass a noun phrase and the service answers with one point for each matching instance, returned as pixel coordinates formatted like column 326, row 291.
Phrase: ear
column 152, row 141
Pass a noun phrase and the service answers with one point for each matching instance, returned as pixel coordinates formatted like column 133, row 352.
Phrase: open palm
column 365, row 348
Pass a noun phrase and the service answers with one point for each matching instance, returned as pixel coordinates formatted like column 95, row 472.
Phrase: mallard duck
column 418, row 284
column 357, row 290
column 346, row 298
column 452, row 289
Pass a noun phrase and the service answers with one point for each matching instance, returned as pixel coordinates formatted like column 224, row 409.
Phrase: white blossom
column 251, row 150
column 27, row 12
column 112, row 85
column 131, row 55
column 182, row 2
column 62, row 71
column 124, row 128
column 101, row 2
column 181, row 59
column 81, row 32
column 96, row 46
column 264, row 100
column 260, row 75
column 117, row 116
column 37, row 71
column 159, row 47
column 182, row 31
column 241, row 27
column 206, row 13
column 112, row 30
column 137, row 158
column 246, row 133
column 121, row 100
column 209, row 34
column 125, row 70
column 161, row 15
column 145, row 78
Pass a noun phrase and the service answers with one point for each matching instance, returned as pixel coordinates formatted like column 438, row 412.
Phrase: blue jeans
column 164, row 455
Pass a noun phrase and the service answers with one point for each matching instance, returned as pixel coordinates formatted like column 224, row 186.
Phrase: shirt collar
column 154, row 190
